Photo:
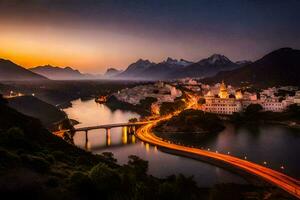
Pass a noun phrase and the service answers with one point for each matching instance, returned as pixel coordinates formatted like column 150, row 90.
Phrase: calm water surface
column 275, row 144
column 122, row 145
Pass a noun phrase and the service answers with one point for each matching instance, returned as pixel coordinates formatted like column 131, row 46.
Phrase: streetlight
column 265, row 163
column 228, row 152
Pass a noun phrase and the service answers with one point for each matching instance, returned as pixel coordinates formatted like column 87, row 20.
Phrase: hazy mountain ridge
column 111, row 72
column 60, row 73
column 280, row 67
column 10, row 71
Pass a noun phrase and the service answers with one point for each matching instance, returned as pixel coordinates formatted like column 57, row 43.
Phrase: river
column 239, row 141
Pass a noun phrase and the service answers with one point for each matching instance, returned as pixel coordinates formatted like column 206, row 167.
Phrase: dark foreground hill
column 10, row 71
column 34, row 107
column 280, row 67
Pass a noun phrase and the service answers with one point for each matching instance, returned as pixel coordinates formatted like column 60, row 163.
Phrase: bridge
column 128, row 129
column 109, row 126
column 145, row 134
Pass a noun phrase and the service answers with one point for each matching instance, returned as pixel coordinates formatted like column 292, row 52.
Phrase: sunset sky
column 93, row 35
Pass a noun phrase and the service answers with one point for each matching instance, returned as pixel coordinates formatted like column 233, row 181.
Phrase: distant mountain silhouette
column 112, row 72
column 206, row 67
column 280, row 67
column 10, row 71
column 136, row 70
column 59, row 73
column 173, row 69
column 163, row 70
column 144, row 69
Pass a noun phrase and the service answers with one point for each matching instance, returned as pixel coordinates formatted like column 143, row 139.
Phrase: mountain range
column 173, row 69
column 10, row 71
column 280, row 67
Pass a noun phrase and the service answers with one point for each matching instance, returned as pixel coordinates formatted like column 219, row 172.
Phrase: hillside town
column 218, row 98
column 161, row 91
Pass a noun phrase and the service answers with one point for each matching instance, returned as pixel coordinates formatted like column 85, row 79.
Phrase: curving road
column 276, row 178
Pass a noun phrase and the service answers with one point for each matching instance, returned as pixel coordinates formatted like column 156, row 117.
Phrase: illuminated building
column 223, row 94
column 297, row 98
column 222, row 103
column 155, row 108
column 239, row 95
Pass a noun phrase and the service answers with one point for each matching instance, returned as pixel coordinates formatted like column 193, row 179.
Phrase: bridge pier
column 131, row 130
column 108, row 138
column 86, row 139
column 124, row 135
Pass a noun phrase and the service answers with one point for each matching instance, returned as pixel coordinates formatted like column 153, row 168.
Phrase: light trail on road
column 274, row 177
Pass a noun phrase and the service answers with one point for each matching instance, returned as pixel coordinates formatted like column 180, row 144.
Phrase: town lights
column 265, row 163
column 228, row 152
column 282, row 167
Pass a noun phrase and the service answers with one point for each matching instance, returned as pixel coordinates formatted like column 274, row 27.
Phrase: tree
column 253, row 109
column 201, row 101
column 294, row 111
column 2, row 100
column 104, row 178
column 169, row 107
column 133, row 120
column 110, row 157
column 147, row 102
column 139, row 165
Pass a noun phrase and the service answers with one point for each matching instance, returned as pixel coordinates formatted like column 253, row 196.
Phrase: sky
column 92, row 35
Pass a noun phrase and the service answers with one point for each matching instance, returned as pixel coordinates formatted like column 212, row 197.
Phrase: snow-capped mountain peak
column 217, row 58
column 180, row 62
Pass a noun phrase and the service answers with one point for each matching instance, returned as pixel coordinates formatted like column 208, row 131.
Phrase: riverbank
column 114, row 104
column 189, row 123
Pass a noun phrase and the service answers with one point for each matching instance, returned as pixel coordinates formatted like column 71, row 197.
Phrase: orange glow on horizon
column 88, row 49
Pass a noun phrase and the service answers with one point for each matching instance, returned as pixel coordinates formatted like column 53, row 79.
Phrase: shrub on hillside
column 39, row 164
column 8, row 159
column 104, row 178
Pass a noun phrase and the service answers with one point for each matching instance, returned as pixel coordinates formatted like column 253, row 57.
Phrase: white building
column 273, row 105
column 162, row 92
column 297, row 98
column 222, row 104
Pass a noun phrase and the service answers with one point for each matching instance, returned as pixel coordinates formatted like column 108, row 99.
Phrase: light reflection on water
column 122, row 144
